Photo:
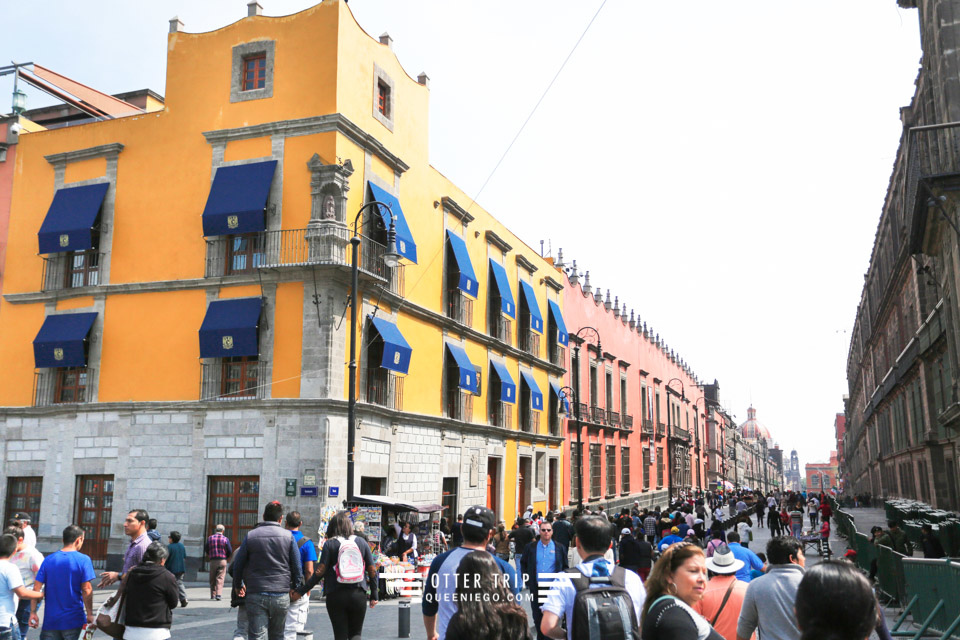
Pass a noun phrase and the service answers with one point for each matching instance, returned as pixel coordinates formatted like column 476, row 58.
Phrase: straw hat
column 723, row 561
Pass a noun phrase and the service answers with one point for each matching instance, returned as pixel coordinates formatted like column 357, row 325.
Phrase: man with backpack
column 297, row 613
column 594, row 584
column 267, row 566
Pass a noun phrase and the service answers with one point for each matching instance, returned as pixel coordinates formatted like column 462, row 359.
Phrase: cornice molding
column 101, row 151
column 450, row 205
column 553, row 284
column 498, row 242
column 526, row 264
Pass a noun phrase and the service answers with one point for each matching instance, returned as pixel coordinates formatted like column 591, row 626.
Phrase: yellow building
column 180, row 342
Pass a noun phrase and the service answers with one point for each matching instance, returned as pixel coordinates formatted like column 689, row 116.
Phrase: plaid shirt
column 218, row 547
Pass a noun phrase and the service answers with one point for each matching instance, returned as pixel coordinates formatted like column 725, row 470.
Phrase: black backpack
column 603, row 613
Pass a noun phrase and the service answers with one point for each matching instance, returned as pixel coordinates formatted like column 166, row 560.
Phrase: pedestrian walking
column 150, row 594
column 439, row 596
column 29, row 535
column 345, row 565
column 773, row 521
column 541, row 556
column 501, row 543
column 27, row 560
column 813, row 512
column 11, row 588
column 218, row 549
column 521, row 535
column 796, row 521
column 562, row 530
column 176, row 563
column 152, row 532
column 745, row 531
column 650, row 527
column 677, row 582
column 135, row 527
column 65, row 577
column 486, row 610
column 930, row 544
column 595, row 571
column 299, row 608
column 724, row 594
column 636, row 554
column 750, row 559
column 267, row 568
column 768, row 606
column 835, row 601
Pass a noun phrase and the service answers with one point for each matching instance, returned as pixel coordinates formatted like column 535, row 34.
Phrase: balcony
column 599, row 415
column 501, row 415
column 530, row 421
column 627, row 421
column 661, row 429
column 647, row 428
column 71, row 270
column 529, row 341
column 679, row 433
column 459, row 307
column 613, row 418
column 245, row 254
column 460, row 406
column 558, row 355
column 501, row 328
column 383, row 388
column 219, row 380
column 64, row 385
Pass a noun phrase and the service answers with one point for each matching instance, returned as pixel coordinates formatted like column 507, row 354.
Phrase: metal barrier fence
column 935, row 585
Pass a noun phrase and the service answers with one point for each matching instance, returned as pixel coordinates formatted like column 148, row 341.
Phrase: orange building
column 822, row 476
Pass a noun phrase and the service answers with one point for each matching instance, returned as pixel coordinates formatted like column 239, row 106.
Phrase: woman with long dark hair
column 346, row 599
column 835, row 602
column 678, row 581
column 486, row 609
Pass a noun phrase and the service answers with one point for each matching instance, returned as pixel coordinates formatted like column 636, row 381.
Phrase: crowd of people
column 685, row 572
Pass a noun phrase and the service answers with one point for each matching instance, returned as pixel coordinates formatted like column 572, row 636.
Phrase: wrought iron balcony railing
column 558, row 355
column 648, row 427
column 613, row 418
column 460, row 406
column 529, row 341
column 501, row 328
column 627, row 421
column 384, row 388
column 530, row 421
column 71, row 270
column 501, row 415
column 62, row 385
column 661, row 429
column 459, row 307
column 217, row 383
column 599, row 415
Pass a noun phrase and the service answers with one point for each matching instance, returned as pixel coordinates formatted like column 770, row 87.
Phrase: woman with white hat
column 723, row 597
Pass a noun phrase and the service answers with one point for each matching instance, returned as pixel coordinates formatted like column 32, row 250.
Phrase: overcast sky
column 719, row 166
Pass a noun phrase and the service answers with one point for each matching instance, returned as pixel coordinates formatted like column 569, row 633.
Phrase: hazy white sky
column 719, row 166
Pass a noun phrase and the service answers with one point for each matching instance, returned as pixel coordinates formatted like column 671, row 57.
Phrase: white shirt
column 746, row 533
column 563, row 593
column 10, row 579
column 148, row 633
column 29, row 537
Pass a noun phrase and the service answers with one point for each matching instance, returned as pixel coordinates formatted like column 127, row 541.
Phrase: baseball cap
column 674, row 529
column 479, row 519
column 625, row 531
column 22, row 517
column 850, row 554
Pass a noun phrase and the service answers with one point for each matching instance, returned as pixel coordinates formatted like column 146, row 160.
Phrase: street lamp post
column 683, row 396
column 576, row 407
column 391, row 259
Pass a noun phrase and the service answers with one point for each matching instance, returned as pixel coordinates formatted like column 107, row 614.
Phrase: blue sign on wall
column 334, row 492
column 308, row 492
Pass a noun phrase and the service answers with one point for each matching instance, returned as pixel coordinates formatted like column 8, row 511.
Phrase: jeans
column 347, row 607
column 181, row 591
column 266, row 615
column 10, row 633
column 241, row 631
column 23, row 616
column 54, row 634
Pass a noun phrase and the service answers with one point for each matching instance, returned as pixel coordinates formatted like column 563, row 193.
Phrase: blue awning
column 468, row 373
column 503, row 287
column 468, row 279
column 396, row 350
column 562, row 336
column 536, row 398
column 561, row 397
column 528, row 294
column 71, row 217
column 61, row 341
column 237, row 199
column 508, row 390
column 231, row 328
column 405, row 244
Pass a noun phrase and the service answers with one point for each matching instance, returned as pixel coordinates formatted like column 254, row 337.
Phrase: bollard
column 403, row 618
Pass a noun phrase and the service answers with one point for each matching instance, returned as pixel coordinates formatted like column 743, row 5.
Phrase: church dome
column 753, row 429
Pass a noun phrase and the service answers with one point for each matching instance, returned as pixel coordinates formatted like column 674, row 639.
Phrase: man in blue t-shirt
column 298, row 610
column 67, row 575
column 750, row 559
column 439, row 603
column 673, row 538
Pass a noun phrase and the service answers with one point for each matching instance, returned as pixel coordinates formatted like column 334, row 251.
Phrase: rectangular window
column 624, row 469
column 240, row 377
column 448, row 497
column 645, row 463
column 371, row 486
column 245, row 253
column 623, row 399
column 575, row 472
column 659, row 467
column 83, row 269
column 94, row 510
column 608, row 390
column 594, row 385
column 611, row 470
column 232, row 501
column 595, row 477
column 71, row 385
column 23, row 496
column 383, row 99
column 255, row 72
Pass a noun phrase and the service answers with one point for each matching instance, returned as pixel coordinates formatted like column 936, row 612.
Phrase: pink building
column 641, row 409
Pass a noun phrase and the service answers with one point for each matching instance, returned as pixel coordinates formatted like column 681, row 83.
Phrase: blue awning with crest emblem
column 536, row 398
column 396, row 350
column 231, row 328
column 563, row 337
column 533, row 307
column 238, row 197
column 508, row 389
column 405, row 244
column 468, row 373
column 503, row 287
column 69, row 223
column 61, row 341
column 468, row 279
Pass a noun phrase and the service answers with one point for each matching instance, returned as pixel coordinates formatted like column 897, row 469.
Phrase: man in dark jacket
column 931, row 546
column 150, row 592
column 542, row 556
column 521, row 536
column 267, row 565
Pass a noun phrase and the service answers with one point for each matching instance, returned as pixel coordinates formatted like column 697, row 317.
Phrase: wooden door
column 554, row 488
column 524, row 481
column 493, row 484
column 234, row 503
column 94, row 510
